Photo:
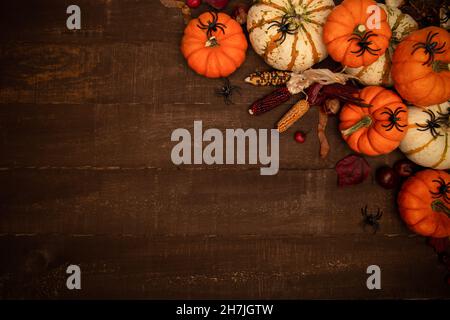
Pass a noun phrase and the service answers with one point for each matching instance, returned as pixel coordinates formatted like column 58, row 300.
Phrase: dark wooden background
column 86, row 176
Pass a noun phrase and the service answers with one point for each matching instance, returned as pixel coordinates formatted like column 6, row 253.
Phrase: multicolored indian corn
column 270, row 101
column 269, row 78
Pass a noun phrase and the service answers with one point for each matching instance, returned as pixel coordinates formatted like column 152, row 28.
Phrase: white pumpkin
column 301, row 46
column 379, row 72
column 424, row 146
column 444, row 16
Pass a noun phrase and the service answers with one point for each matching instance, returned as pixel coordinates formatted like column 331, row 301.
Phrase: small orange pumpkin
column 350, row 37
column 424, row 201
column 214, row 45
column 376, row 130
column 421, row 67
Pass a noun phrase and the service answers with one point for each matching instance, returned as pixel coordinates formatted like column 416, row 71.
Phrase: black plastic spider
column 444, row 118
column 212, row 26
column 284, row 27
column 364, row 43
column 371, row 219
column 432, row 124
column 393, row 119
column 443, row 190
column 430, row 48
column 226, row 91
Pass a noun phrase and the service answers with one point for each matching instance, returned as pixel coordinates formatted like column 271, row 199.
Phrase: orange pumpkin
column 420, row 67
column 376, row 130
column 214, row 45
column 424, row 201
column 352, row 35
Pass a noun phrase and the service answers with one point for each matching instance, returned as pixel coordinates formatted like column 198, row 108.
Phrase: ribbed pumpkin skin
column 379, row 72
column 375, row 139
column 415, row 80
column 298, row 51
column 218, row 61
column 415, row 204
column 422, row 147
column 340, row 27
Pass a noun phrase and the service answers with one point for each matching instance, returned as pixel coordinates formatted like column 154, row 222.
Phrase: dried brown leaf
column 324, row 145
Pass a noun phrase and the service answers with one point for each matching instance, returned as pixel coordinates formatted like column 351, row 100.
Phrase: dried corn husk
column 296, row 112
column 332, row 106
column 300, row 81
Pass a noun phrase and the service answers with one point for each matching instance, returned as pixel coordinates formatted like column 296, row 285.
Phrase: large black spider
column 212, row 25
column 430, row 48
column 432, row 124
column 393, row 119
column 226, row 91
column 364, row 43
column 371, row 219
column 284, row 27
column 442, row 191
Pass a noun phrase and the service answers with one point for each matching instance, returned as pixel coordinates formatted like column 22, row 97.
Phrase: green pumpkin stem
column 363, row 123
column 439, row 206
column 440, row 66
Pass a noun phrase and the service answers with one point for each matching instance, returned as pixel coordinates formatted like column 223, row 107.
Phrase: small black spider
column 212, row 26
column 284, row 27
column 226, row 91
column 371, row 219
column 430, row 48
column 393, row 119
column 432, row 124
column 364, row 43
column 442, row 191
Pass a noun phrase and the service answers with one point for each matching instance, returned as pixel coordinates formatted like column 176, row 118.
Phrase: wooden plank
column 131, row 21
column 188, row 202
column 138, row 135
column 86, row 176
column 113, row 73
column 302, row 267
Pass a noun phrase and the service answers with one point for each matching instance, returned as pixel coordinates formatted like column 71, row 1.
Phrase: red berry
column 300, row 137
column 193, row 3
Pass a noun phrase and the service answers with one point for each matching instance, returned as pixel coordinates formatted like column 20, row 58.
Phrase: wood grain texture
column 86, row 176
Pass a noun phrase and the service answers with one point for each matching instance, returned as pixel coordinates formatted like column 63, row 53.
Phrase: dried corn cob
column 269, row 78
column 272, row 100
column 294, row 113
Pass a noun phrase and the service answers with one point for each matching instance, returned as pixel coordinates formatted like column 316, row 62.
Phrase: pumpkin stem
column 360, row 29
column 365, row 122
column 440, row 66
column 439, row 206
column 211, row 42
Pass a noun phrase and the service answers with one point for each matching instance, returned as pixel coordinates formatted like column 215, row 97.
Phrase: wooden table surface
column 86, row 176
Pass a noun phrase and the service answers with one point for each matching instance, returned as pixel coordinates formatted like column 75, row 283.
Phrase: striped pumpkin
column 288, row 33
column 421, row 144
column 379, row 72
